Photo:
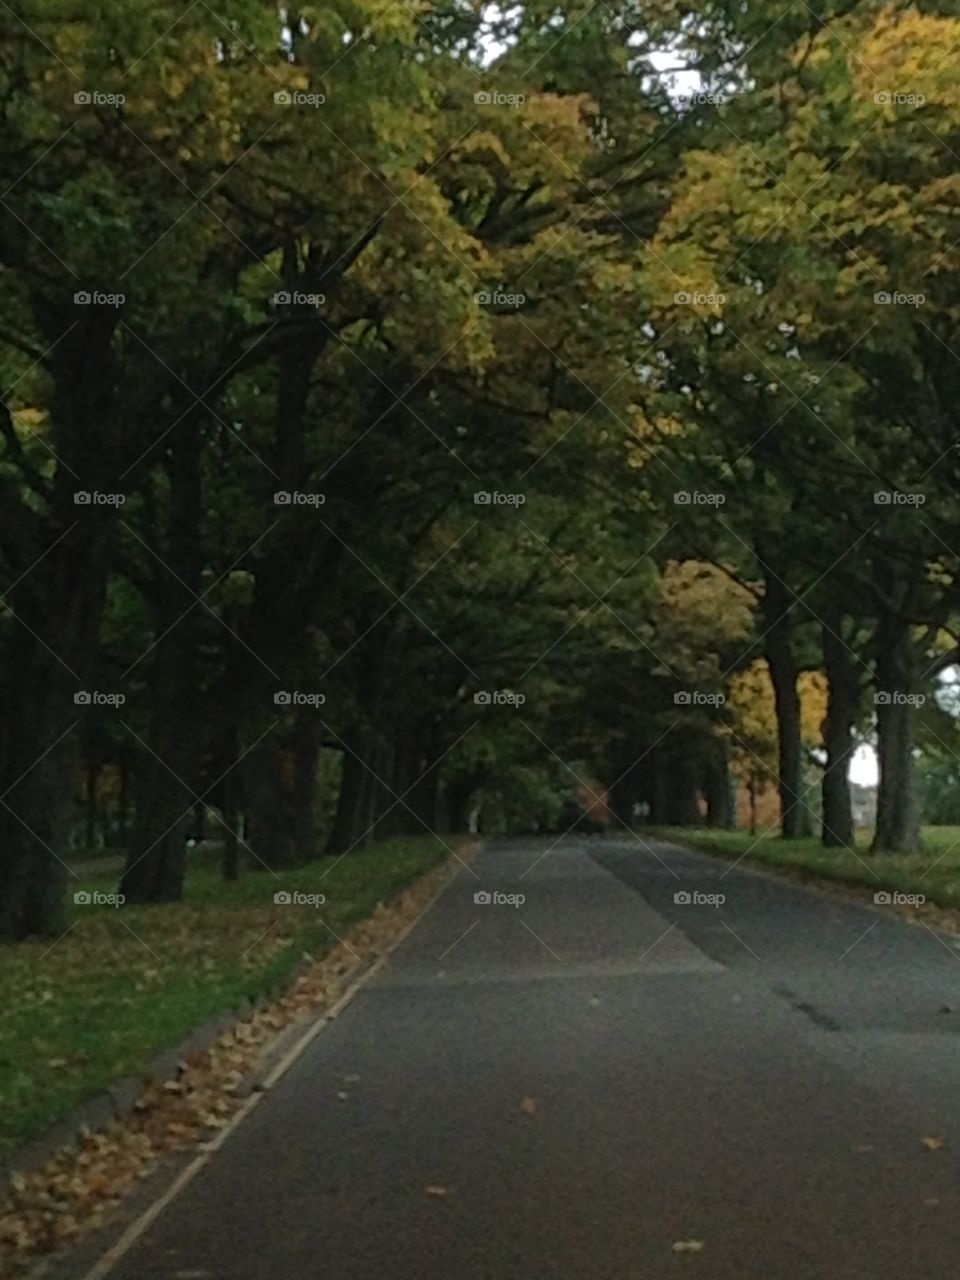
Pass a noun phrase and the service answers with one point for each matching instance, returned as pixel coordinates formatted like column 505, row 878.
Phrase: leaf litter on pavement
column 83, row 1184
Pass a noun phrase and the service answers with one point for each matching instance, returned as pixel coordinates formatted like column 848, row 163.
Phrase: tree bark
column 838, row 734
column 39, row 759
column 898, row 810
column 169, row 781
column 794, row 817
column 346, row 832
column 719, row 787
column 683, row 783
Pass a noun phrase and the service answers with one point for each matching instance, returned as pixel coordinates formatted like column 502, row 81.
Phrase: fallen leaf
column 933, row 1144
column 688, row 1246
column 529, row 1106
column 435, row 1190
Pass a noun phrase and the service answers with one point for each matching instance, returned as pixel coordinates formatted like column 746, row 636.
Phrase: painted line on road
column 145, row 1221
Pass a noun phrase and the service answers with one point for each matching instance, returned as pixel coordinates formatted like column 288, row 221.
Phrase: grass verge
column 933, row 872
column 123, row 984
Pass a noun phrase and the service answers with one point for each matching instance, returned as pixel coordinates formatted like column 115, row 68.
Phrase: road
column 601, row 1083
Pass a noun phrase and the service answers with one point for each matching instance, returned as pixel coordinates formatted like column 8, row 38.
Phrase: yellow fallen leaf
column 933, row 1144
column 436, row 1190
column 688, row 1246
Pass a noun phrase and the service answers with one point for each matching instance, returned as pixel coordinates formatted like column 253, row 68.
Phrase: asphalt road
column 570, row 1086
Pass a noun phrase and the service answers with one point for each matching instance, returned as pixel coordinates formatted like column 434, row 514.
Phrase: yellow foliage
column 752, row 710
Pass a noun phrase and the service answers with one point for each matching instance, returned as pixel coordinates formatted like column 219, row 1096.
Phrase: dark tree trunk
column 123, row 801
column 683, row 783
column 794, row 816
column 307, row 733
column 457, row 803
column 156, row 861
column 660, row 792
column 39, row 761
column 269, row 786
column 169, row 778
column 347, row 831
column 898, row 810
column 719, row 787
column 230, row 809
column 838, row 734
column 92, row 816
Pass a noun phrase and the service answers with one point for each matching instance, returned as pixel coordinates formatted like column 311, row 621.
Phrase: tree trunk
column 91, row 820
column 61, row 605
column 683, row 795
column 794, row 816
column 269, row 785
column 169, row 780
column 838, row 735
column 347, row 830
column 660, row 802
column 719, row 787
column 307, row 732
column 230, row 809
column 898, row 811
column 457, row 802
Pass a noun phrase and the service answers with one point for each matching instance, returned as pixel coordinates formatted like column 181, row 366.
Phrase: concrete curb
column 119, row 1101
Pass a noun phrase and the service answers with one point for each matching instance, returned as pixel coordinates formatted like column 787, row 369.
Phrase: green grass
column 933, row 871
column 122, row 985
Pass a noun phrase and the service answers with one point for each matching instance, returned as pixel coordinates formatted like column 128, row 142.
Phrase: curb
column 119, row 1100
column 308, row 1030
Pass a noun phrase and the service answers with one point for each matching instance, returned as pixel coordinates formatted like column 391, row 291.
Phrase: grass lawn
column 934, row 872
column 123, row 984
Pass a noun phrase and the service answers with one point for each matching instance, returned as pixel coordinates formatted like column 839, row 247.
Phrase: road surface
column 603, row 1083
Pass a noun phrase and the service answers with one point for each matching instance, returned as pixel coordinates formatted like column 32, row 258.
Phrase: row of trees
column 356, row 367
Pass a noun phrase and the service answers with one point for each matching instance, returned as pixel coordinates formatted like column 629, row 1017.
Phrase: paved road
column 597, row 1074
